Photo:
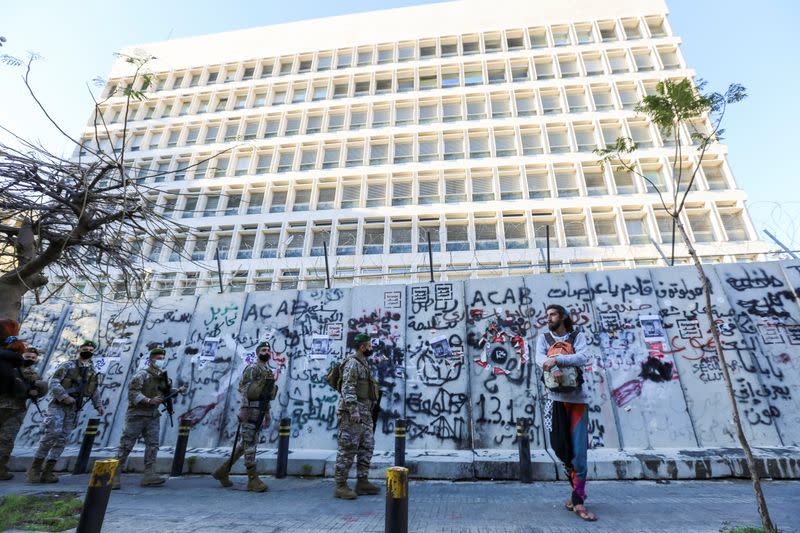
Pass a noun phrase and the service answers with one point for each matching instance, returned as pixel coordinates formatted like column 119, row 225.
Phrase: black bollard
column 96, row 501
column 523, row 440
column 400, row 442
column 283, row 447
column 180, row 449
column 82, row 462
column 396, row 500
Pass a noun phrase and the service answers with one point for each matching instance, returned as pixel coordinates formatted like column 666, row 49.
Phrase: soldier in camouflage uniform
column 146, row 393
column 71, row 383
column 254, row 379
column 13, row 405
column 359, row 392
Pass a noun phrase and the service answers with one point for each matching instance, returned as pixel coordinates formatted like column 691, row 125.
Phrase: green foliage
column 306, row 469
column 40, row 512
column 744, row 529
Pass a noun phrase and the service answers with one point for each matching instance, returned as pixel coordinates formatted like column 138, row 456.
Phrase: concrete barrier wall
column 456, row 359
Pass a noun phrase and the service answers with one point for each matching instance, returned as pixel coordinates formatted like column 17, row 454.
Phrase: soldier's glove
column 69, row 400
column 355, row 416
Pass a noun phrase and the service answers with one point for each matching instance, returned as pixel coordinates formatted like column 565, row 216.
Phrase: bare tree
column 81, row 218
column 674, row 106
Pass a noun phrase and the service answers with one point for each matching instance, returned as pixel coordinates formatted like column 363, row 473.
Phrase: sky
column 725, row 41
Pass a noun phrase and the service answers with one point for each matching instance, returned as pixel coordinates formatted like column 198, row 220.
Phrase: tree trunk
column 11, row 300
column 761, row 502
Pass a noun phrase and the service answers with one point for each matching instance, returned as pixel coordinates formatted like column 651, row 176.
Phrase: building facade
column 470, row 123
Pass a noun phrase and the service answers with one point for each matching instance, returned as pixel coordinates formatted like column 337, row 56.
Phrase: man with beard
column 561, row 352
column 255, row 378
column 359, row 392
column 71, row 383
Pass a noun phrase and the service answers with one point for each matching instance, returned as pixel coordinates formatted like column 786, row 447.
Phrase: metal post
column 523, row 440
column 283, row 447
column 779, row 243
column 547, row 234
column 400, row 442
column 430, row 255
column 219, row 270
column 82, row 462
column 180, row 449
column 396, row 500
column 327, row 272
column 674, row 222
column 97, row 494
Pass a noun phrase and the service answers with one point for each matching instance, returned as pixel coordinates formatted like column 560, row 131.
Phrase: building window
column 302, row 200
column 486, row 235
column 715, row 177
column 351, row 195
column 373, row 240
column 401, row 193
column 295, row 240
column 428, row 192
column 575, row 232
column 624, row 181
column 255, row 203
column 478, row 146
column 457, row 237
column 403, row 150
column 326, row 197
column 232, row 206
column 510, row 185
column 566, row 183
column 262, row 281
column 376, row 194
column 246, row 243
column 482, row 187
column 606, row 231
column 734, row 226
column 637, row 229
column 269, row 248
column 453, row 146
column 400, row 240
column 424, row 231
column 544, row 69
column 278, row 202
column 701, row 226
column 538, row 183
column 346, row 242
column 455, row 189
column 515, row 234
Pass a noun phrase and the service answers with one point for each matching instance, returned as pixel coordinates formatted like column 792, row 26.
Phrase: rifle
column 376, row 411
column 30, row 385
column 167, row 396
column 264, row 400
column 82, row 370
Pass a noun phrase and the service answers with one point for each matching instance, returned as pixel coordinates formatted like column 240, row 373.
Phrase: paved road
column 198, row 505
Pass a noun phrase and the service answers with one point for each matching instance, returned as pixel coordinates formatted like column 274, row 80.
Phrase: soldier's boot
column 363, row 486
column 343, row 492
column 47, row 472
column 221, row 474
column 254, row 483
column 5, row 475
column 151, row 479
column 34, row 473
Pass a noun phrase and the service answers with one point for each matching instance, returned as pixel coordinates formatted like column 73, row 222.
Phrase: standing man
column 254, row 386
column 561, row 352
column 359, row 392
column 13, row 402
column 149, row 388
column 71, row 383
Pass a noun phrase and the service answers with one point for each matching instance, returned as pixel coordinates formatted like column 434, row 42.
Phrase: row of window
column 192, row 283
column 483, row 106
column 452, row 145
column 508, row 41
column 576, row 227
column 521, row 70
column 432, row 187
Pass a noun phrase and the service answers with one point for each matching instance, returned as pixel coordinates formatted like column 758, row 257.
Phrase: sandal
column 585, row 514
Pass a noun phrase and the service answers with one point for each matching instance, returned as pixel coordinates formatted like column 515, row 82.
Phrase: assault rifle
column 30, row 385
column 78, row 389
column 168, row 395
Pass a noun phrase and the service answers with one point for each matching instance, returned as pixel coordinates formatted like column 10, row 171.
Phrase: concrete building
column 469, row 121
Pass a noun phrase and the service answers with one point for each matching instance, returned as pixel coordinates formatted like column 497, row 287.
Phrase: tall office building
column 472, row 122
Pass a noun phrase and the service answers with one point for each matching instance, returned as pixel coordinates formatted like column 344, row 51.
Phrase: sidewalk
column 196, row 504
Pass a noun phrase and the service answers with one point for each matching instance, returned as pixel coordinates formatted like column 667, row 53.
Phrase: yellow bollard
column 97, row 494
column 396, row 500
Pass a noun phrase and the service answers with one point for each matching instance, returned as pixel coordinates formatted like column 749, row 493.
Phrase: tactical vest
column 259, row 381
column 73, row 380
column 154, row 385
column 366, row 389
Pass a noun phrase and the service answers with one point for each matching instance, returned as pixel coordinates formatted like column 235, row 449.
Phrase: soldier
column 255, row 378
column 149, row 388
column 359, row 393
column 27, row 385
column 71, row 383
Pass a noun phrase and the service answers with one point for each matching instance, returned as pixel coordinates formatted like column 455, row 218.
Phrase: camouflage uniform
column 143, row 419
column 359, row 392
column 62, row 418
column 12, row 412
column 253, row 380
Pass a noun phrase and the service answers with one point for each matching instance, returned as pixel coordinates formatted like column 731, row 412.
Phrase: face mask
column 263, row 357
column 28, row 362
column 86, row 355
column 160, row 364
